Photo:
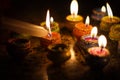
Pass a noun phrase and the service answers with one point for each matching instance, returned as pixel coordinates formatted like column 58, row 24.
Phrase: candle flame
column 51, row 20
column 48, row 21
column 102, row 41
column 87, row 22
column 109, row 10
column 74, row 8
column 103, row 9
column 94, row 31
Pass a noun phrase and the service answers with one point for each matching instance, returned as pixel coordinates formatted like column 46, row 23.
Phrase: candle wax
column 96, row 51
column 74, row 19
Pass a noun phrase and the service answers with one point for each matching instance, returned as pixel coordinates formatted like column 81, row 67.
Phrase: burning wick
column 101, row 48
column 49, row 35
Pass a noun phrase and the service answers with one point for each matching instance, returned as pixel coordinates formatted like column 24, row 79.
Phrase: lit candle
column 82, row 29
column 89, row 40
column 100, row 51
column 73, row 18
column 98, row 57
column 74, row 12
column 108, row 21
column 52, row 37
column 53, row 25
column 99, row 13
column 92, row 37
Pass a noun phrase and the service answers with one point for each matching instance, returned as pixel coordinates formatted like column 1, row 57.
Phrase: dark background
column 34, row 11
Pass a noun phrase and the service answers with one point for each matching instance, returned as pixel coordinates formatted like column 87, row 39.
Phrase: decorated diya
column 74, row 17
column 89, row 40
column 54, row 38
column 58, row 53
column 98, row 13
column 98, row 57
column 114, row 33
column 82, row 29
column 18, row 48
column 53, row 25
column 109, row 20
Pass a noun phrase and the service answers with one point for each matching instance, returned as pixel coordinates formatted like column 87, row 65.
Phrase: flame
column 94, row 31
column 48, row 21
column 109, row 10
column 87, row 21
column 51, row 20
column 74, row 8
column 102, row 41
column 103, row 9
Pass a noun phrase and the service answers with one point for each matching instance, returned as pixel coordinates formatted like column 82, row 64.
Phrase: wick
column 49, row 35
column 111, row 19
column 87, row 25
column 101, row 48
column 92, row 37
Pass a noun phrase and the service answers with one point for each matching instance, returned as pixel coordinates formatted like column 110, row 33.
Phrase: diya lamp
column 53, row 25
column 98, row 57
column 51, row 37
column 98, row 13
column 74, row 17
column 114, row 36
column 18, row 48
column 81, row 29
column 89, row 40
column 58, row 53
column 108, row 21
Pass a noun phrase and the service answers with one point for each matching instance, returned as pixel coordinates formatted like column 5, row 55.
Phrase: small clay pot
column 97, row 63
column 58, row 53
column 18, row 48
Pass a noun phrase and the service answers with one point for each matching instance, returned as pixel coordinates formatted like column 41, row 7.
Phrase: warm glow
column 87, row 22
column 51, row 19
column 74, row 8
column 109, row 10
column 72, row 52
column 48, row 21
column 94, row 31
column 102, row 41
column 103, row 9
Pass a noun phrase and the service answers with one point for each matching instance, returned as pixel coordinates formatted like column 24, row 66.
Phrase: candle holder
column 54, row 26
column 81, row 29
column 98, row 14
column 18, row 48
column 87, row 41
column 107, row 22
column 71, row 21
column 96, row 58
column 54, row 38
column 58, row 53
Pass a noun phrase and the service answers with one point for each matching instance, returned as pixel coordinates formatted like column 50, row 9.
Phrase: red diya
column 54, row 38
column 82, row 29
column 98, row 56
column 89, row 40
